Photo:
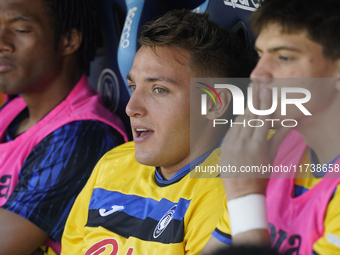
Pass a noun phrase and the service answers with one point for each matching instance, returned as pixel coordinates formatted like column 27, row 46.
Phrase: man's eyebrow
column 22, row 18
column 275, row 49
column 160, row 78
column 153, row 79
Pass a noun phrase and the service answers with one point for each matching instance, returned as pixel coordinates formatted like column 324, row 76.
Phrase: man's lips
column 142, row 133
column 6, row 65
column 5, row 68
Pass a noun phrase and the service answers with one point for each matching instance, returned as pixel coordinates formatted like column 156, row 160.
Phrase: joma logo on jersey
column 164, row 222
column 249, row 5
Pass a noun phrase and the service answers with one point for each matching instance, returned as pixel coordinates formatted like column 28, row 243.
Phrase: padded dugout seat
column 120, row 25
column 233, row 14
column 120, row 22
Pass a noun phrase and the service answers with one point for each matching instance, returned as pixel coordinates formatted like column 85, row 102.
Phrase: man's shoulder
column 125, row 149
column 120, row 164
column 122, row 154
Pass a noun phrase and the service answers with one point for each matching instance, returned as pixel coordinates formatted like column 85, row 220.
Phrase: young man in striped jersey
column 140, row 198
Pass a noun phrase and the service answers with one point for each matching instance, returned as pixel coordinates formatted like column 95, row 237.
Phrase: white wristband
column 247, row 213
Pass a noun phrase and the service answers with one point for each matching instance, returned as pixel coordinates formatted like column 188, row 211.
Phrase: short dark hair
column 81, row 15
column 320, row 19
column 214, row 51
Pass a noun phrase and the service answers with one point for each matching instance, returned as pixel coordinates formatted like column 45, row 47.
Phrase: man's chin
column 144, row 159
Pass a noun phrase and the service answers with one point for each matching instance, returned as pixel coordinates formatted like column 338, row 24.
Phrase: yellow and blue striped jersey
column 126, row 208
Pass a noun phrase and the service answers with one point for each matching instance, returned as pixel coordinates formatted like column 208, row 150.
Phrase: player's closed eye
column 22, row 31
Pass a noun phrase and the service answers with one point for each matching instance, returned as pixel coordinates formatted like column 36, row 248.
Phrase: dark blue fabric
column 223, row 237
column 137, row 216
column 55, row 172
column 142, row 207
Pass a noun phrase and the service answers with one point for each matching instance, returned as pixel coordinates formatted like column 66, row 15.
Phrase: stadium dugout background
column 120, row 22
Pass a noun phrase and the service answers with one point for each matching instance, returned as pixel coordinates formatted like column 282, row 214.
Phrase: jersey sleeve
column 329, row 243
column 73, row 236
column 206, row 210
column 55, row 172
column 223, row 231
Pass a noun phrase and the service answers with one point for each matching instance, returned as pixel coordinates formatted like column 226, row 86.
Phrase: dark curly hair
column 81, row 15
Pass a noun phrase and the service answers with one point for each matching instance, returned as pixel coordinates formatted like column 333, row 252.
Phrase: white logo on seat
column 124, row 41
column 164, row 222
column 115, row 208
column 243, row 4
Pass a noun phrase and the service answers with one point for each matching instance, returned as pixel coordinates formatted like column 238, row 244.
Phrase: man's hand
column 248, row 147
column 18, row 235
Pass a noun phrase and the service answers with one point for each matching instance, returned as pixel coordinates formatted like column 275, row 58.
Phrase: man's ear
column 215, row 111
column 70, row 42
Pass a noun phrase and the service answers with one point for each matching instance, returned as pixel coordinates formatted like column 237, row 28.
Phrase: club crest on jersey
column 164, row 222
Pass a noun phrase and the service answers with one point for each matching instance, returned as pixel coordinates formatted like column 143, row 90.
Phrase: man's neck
column 48, row 96
column 167, row 172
